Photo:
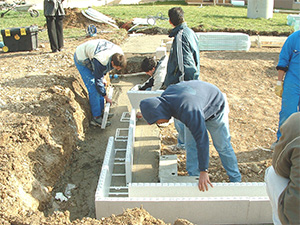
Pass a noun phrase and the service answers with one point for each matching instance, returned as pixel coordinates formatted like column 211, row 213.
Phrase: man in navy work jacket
column 201, row 106
column 93, row 60
column 184, row 59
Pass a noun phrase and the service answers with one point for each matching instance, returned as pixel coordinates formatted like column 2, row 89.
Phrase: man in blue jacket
column 184, row 59
column 288, row 82
column 201, row 106
column 94, row 59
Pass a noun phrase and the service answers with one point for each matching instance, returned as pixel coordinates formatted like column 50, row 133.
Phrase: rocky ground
column 46, row 141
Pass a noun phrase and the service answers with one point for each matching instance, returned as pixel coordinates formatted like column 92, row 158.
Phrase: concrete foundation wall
column 226, row 203
column 231, row 210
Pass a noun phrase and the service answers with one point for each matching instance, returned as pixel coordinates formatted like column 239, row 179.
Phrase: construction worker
column 184, row 59
column 94, row 59
column 200, row 106
column 288, row 81
column 283, row 177
column 157, row 72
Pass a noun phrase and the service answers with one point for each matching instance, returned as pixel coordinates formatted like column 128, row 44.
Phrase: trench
column 79, row 180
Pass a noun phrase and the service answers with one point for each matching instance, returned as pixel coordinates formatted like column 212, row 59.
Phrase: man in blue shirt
column 288, row 82
column 201, row 106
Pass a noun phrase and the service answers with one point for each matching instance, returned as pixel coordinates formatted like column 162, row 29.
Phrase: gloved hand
column 279, row 88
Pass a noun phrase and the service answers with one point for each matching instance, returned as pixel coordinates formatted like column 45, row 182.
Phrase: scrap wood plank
column 267, row 44
column 274, row 44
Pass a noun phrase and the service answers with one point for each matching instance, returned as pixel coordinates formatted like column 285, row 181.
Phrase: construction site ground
column 48, row 146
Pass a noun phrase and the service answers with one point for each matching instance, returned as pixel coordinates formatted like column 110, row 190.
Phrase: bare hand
column 108, row 100
column 204, row 181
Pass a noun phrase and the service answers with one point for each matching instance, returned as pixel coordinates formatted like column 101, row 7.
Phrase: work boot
column 98, row 122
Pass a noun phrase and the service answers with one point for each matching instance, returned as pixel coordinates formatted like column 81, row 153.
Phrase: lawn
column 206, row 18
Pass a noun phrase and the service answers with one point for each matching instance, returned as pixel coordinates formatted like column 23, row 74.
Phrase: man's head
column 176, row 16
column 118, row 61
column 155, row 110
column 148, row 65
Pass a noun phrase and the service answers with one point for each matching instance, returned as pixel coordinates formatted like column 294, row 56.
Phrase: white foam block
column 223, row 41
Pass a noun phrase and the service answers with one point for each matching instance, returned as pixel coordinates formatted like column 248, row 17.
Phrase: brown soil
column 46, row 142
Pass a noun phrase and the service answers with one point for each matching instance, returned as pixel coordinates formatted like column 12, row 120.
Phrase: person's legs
column 59, row 31
column 95, row 99
column 219, row 131
column 51, row 28
column 180, row 129
column 192, row 165
column 290, row 103
column 275, row 184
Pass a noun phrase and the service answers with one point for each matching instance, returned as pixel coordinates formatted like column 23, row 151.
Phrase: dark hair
column 148, row 64
column 176, row 15
column 119, row 60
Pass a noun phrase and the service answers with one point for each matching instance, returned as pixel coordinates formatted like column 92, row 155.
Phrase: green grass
column 206, row 18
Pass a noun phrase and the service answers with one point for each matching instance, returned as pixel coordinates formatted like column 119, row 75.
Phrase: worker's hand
column 105, row 82
column 279, row 88
column 107, row 99
column 204, row 181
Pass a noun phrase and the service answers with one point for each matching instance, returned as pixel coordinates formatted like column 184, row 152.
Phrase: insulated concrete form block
column 206, row 210
column 135, row 97
column 217, row 41
column 225, row 200
column 155, row 190
column 106, row 170
column 167, row 167
column 106, row 108
column 129, row 148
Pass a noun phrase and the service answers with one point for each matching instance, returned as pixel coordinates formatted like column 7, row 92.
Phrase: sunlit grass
column 206, row 18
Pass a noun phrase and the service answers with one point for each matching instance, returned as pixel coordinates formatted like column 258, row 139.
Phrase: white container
column 237, row 3
column 294, row 20
column 260, row 9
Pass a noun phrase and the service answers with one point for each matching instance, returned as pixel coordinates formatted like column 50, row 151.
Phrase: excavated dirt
column 46, row 142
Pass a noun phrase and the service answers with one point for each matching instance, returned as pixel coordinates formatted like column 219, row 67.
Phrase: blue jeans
column 96, row 100
column 218, row 128
column 290, row 102
column 180, row 129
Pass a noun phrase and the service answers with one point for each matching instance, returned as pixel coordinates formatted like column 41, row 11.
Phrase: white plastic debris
column 60, row 196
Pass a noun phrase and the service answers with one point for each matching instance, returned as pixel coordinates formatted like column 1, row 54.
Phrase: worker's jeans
column 218, row 128
column 290, row 102
column 96, row 100
column 180, row 129
column 275, row 185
